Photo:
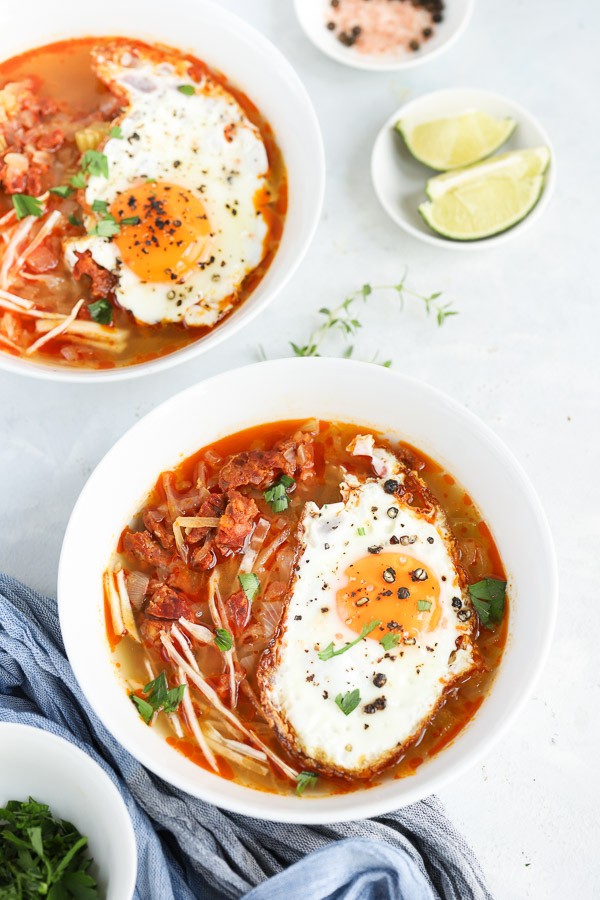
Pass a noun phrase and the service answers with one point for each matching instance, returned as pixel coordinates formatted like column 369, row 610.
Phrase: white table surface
column 522, row 354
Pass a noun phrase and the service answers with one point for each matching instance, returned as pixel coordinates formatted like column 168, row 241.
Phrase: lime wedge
column 488, row 198
column 445, row 144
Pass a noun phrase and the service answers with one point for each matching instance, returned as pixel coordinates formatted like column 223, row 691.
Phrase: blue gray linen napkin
column 189, row 849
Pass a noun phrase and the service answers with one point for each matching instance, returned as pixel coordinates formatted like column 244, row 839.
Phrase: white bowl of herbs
column 64, row 829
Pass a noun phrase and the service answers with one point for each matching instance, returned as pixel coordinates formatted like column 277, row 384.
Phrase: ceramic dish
column 293, row 388
column 35, row 763
column 399, row 179
column 249, row 61
column 312, row 16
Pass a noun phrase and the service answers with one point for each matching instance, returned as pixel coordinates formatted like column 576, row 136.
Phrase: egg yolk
column 391, row 588
column 166, row 231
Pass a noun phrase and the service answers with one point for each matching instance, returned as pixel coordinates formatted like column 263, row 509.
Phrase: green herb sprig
column 277, row 495
column 488, row 596
column 223, row 640
column 330, row 650
column 101, row 311
column 389, row 641
column 26, row 206
column 348, row 701
column 158, row 697
column 304, row 780
column 250, row 585
column 41, row 856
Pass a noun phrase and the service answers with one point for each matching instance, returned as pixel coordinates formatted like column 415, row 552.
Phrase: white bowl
column 399, row 179
column 302, row 388
column 312, row 15
column 252, row 63
column 35, row 763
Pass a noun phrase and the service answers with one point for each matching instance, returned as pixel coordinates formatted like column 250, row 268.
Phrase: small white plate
column 312, row 15
column 399, row 179
column 35, row 763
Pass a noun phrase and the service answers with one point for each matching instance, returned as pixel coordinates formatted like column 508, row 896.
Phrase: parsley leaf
column 78, row 180
column 250, row 585
column 187, row 89
column 304, row 780
column 424, row 605
column 115, row 132
column 26, row 206
column 329, row 651
column 389, row 640
column 73, row 220
column 277, row 496
column 106, row 227
column 95, row 162
column 158, row 696
column 361, row 531
column 488, row 597
column 62, row 190
column 130, row 220
column 101, row 311
column 223, row 640
column 100, row 207
column 349, row 701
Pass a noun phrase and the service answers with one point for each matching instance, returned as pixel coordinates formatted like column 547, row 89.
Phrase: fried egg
column 377, row 626
column 187, row 173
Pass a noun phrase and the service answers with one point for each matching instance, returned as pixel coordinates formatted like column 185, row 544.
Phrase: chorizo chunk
column 237, row 522
column 103, row 281
column 212, row 507
column 238, row 611
column 167, row 603
column 142, row 545
column 157, row 525
column 259, row 468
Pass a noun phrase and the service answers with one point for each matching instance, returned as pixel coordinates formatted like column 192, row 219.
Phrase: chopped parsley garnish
column 100, row 207
column 304, row 780
column 95, row 162
column 101, row 311
column 26, row 206
column 158, row 696
column 250, row 585
column 130, row 220
column 115, row 132
column 389, row 640
column 62, row 190
column 78, row 180
column 42, row 856
column 106, row 227
column 361, row 531
column 187, row 89
column 488, row 597
column 73, row 220
column 329, row 651
column 424, row 605
column 349, row 701
column 223, row 640
column 277, row 496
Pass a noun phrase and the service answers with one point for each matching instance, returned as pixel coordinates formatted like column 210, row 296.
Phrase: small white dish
column 35, row 763
column 250, row 62
column 399, row 179
column 312, row 16
column 333, row 390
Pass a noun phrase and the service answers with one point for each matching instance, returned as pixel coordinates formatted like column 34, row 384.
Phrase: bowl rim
column 246, row 312
column 513, row 108
column 35, row 734
column 369, row 804
column 371, row 64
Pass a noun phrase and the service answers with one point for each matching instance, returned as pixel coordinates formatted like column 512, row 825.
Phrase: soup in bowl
column 303, row 607
column 146, row 193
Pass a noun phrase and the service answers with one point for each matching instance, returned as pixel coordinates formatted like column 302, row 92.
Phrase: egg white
column 173, row 137
column 298, row 689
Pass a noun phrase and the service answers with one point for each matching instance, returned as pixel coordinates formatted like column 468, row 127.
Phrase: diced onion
column 199, row 632
column 126, row 610
column 196, row 522
column 137, row 583
column 90, row 137
column 258, row 538
column 114, row 603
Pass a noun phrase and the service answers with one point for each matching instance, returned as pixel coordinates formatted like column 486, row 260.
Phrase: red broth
column 64, row 97
column 184, row 491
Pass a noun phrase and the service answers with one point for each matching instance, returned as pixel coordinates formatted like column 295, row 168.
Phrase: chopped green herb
column 488, row 597
column 187, row 89
column 389, row 640
column 101, row 311
column 62, row 190
column 115, row 132
column 158, row 696
column 223, row 640
column 100, row 206
column 130, row 220
column 106, row 227
column 349, row 701
column 26, row 206
column 361, row 531
column 42, row 856
column 329, row 651
column 78, row 180
column 73, row 220
column 95, row 162
column 424, row 605
column 250, row 585
column 277, row 496
column 304, row 780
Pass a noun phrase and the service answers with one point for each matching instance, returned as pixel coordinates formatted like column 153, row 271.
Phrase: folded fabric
column 190, row 849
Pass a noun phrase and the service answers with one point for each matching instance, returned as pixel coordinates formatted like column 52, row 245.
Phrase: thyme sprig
column 344, row 318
